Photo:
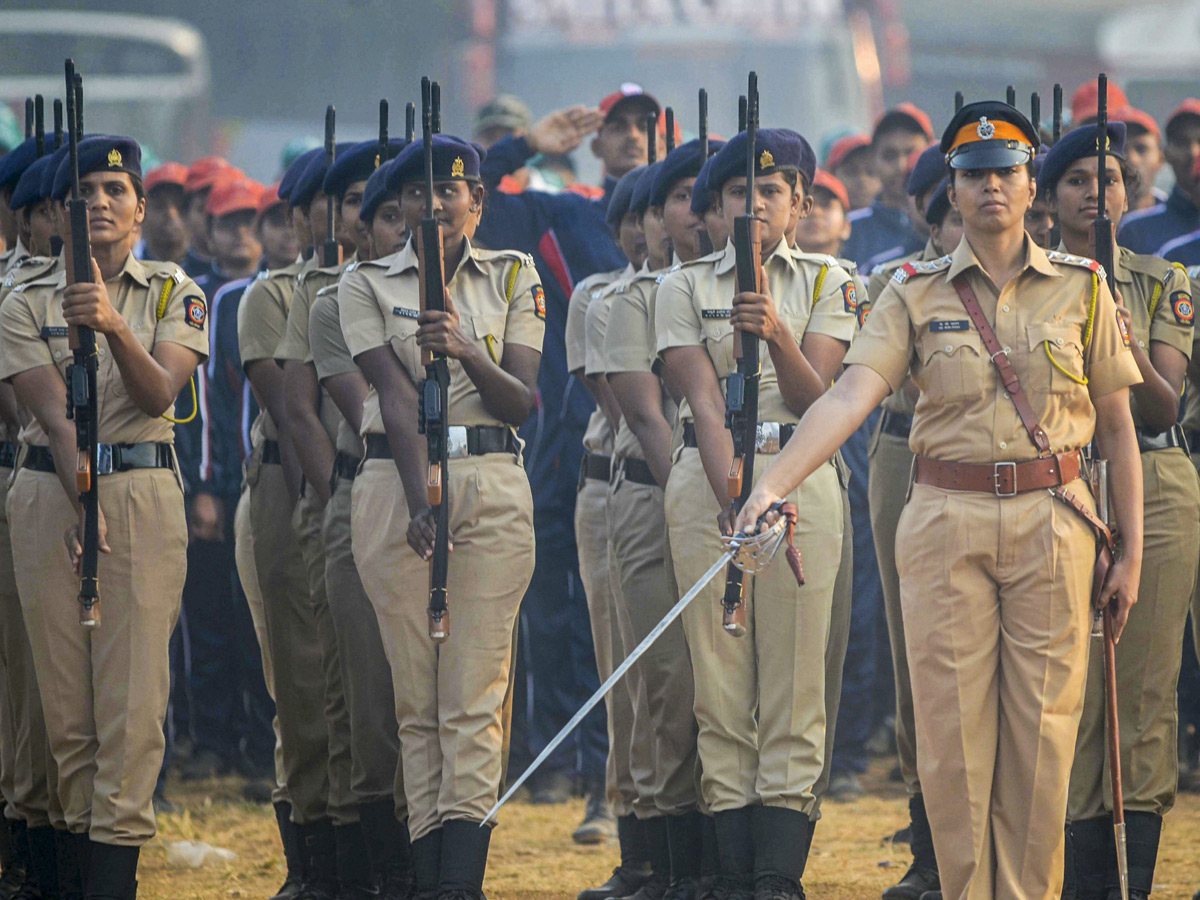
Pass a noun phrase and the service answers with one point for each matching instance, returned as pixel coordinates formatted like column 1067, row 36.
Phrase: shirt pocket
column 488, row 331
column 952, row 365
column 1055, row 357
column 718, row 341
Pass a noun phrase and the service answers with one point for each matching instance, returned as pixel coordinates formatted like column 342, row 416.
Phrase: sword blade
column 612, row 679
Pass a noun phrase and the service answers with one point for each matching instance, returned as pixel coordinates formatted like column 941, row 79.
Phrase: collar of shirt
column 407, row 258
column 964, row 259
column 782, row 251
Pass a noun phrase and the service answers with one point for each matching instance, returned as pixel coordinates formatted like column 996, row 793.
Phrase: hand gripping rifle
column 741, row 387
column 434, row 390
column 1102, row 237
column 706, row 246
column 82, row 405
column 331, row 252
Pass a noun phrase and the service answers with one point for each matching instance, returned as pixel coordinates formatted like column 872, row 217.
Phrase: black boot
column 735, row 854
column 781, row 842
column 464, row 860
column 42, row 880
column 67, row 856
column 112, row 872
column 355, row 879
column 318, row 848
column 685, row 844
column 634, row 869
column 388, row 847
column 14, row 857
column 427, row 865
column 658, row 848
column 1142, row 831
column 922, row 875
column 1095, row 855
column 292, row 856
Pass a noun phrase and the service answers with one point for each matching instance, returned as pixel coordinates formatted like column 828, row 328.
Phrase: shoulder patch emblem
column 195, row 312
column 864, row 310
column 405, row 312
column 1181, row 306
column 1123, row 329
column 850, row 297
column 539, row 301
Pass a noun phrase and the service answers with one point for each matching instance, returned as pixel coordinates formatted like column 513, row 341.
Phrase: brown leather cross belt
column 1002, row 479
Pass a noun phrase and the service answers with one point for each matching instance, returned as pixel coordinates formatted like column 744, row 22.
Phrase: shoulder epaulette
column 354, row 265
column 848, row 264
column 263, row 275
column 914, row 267
column 523, row 258
column 710, row 258
column 327, row 289
column 1071, row 259
column 1154, row 266
column 1193, row 271
column 29, row 265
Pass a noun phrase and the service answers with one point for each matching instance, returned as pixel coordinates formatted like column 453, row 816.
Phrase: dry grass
column 533, row 857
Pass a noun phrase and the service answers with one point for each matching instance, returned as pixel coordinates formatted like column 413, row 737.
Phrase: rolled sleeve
column 676, row 319
column 885, row 343
column 1174, row 317
column 21, row 345
column 835, row 309
column 330, row 354
column 363, row 325
column 625, row 347
column 1108, row 360
column 185, row 321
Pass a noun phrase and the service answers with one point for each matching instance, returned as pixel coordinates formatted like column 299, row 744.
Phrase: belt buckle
column 996, row 467
column 456, row 442
column 766, row 440
column 104, row 459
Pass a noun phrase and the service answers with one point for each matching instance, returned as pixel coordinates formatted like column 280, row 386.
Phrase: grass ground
column 533, row 857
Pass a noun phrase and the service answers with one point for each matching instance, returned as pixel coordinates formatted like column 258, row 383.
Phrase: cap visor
column 645, row 100
column 991, row 155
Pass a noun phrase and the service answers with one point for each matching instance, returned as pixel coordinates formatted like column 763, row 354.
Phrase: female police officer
column 448, row 696
column 758, row 770
column 995, row 571
column 104, row 690
column 1156, row 301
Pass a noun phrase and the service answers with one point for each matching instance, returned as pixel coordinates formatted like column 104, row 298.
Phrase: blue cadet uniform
column 929, row 171
column 569, row 240
column 1149, row 230
column 1184, row 249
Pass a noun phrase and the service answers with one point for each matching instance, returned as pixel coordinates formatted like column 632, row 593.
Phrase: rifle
column 28, row 118
column 706, row 246
column 741, row 387
column 1035, row 113
column 434, row 390
column 331, row 252
column 381, row 156
column 435, row 100
column 39, row 126
column 670, row 129
column 1056, row 127
column 410, row 122
column 58, row 123
column 1010, row 96
column 958, row 101
column 1102, row 237
column 82, row 405
column 79, row 104
column 742, row 105
column 651, row 138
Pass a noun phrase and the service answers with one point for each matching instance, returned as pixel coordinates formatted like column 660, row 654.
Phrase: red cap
column 1189, row 107
column 843, row 147
column 203, row 173
column 834, row 185
column 1085, row 101
column 168, row 173
column 627, row 90
column 234, row 193
column 270, row 198
column 910, row 111
column 1132, row 116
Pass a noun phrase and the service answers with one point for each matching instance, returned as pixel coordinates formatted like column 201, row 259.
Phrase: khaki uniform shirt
column 812, row 293
column 262, row 320
column 963, row 414
column 11, row 257
column 380, row 302
column 33, row 333
column 1190, row 415
column 332, row 357
column 26, row 270
column 598, row 438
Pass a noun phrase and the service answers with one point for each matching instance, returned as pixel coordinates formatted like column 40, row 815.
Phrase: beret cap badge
column 457, row 168
column 986, row 129
column 767, row 160
column 114, row 158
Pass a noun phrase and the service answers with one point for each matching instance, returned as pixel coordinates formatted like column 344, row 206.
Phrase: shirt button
column 1058, row 341
column 101, row 351
column 1142, row 344
column 1008, row 350
column 1005, row 307
column 1003, row 445
column 949, row 348
column 58, row 354
column 1006, row 397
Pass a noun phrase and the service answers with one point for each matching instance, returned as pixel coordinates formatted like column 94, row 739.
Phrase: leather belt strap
column 1002, row 479
column 595, row 466
column 113, row 458
column 478, row 441
column 270, row 454
column 345, row 466
column 638, row 471
column 895, row 424
column 8, row 454
column 1003, row 365
column 786, row 430
column 1149, row 441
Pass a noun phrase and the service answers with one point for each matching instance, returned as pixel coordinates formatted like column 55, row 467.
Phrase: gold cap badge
column 114, row 158
column 457, row 169
column 766, row 161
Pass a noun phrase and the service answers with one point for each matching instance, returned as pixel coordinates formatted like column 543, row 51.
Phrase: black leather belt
column 112, row 458
column 465, row 440
column 786, row 430
column 8, row 454
column 345, row 466
column 271, row 455
column 1163, row 440
column 595, row 466
column 896, row 424
column 638, row 471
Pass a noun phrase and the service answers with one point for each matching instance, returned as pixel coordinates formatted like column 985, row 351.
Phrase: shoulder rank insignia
column 351, row 267
column 1193, row 271
column 10, row 278
column 263, row 275
column 178, row 275
column 1071, row 260
column 919, row 267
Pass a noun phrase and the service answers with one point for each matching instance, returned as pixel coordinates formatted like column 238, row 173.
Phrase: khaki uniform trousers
column 839, row 636
column 308, row 521
column 293, row 643
column 762, row 737
column 890, row 465
column 366, row 675
column 449, row 696
column 600, row 585
column 996, row 601
column 28, row 776
column 104, row 690
column 637, row 533
column 243, row 552
column 1148, row 656
column 1195, row 605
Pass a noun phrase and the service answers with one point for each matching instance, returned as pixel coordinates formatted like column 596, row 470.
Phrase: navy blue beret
column 98, row 153
column 453, row 159
column 29, row 187
column 939, row 204
column 375, row 193
column 14, row 163
column 701, row 194
column 357, row 164
column 774, row 149
column 639, row 201
column 288, row 182
column 685, row 161
column 618, row 200
column 989, row 135
column 313, row 176
column 51, row 170
column 1076, row 144
column 928, row 172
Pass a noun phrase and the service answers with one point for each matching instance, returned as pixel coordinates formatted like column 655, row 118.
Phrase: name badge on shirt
column 939, row 325
column 49, row 331
column 716, row 313
column 405, row 313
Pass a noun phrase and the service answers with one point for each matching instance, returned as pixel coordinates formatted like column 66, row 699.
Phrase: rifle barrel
column 435, row 100
column 1010, row 95
column 383, row 130
column 28, row 118
column 410, row 122
column 1056, row 126
column 651, row 138
column 39, row 124
column 331, row 245
column 670, row 129
column 58, row 123
column 1035, row 110
column 958, row 100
